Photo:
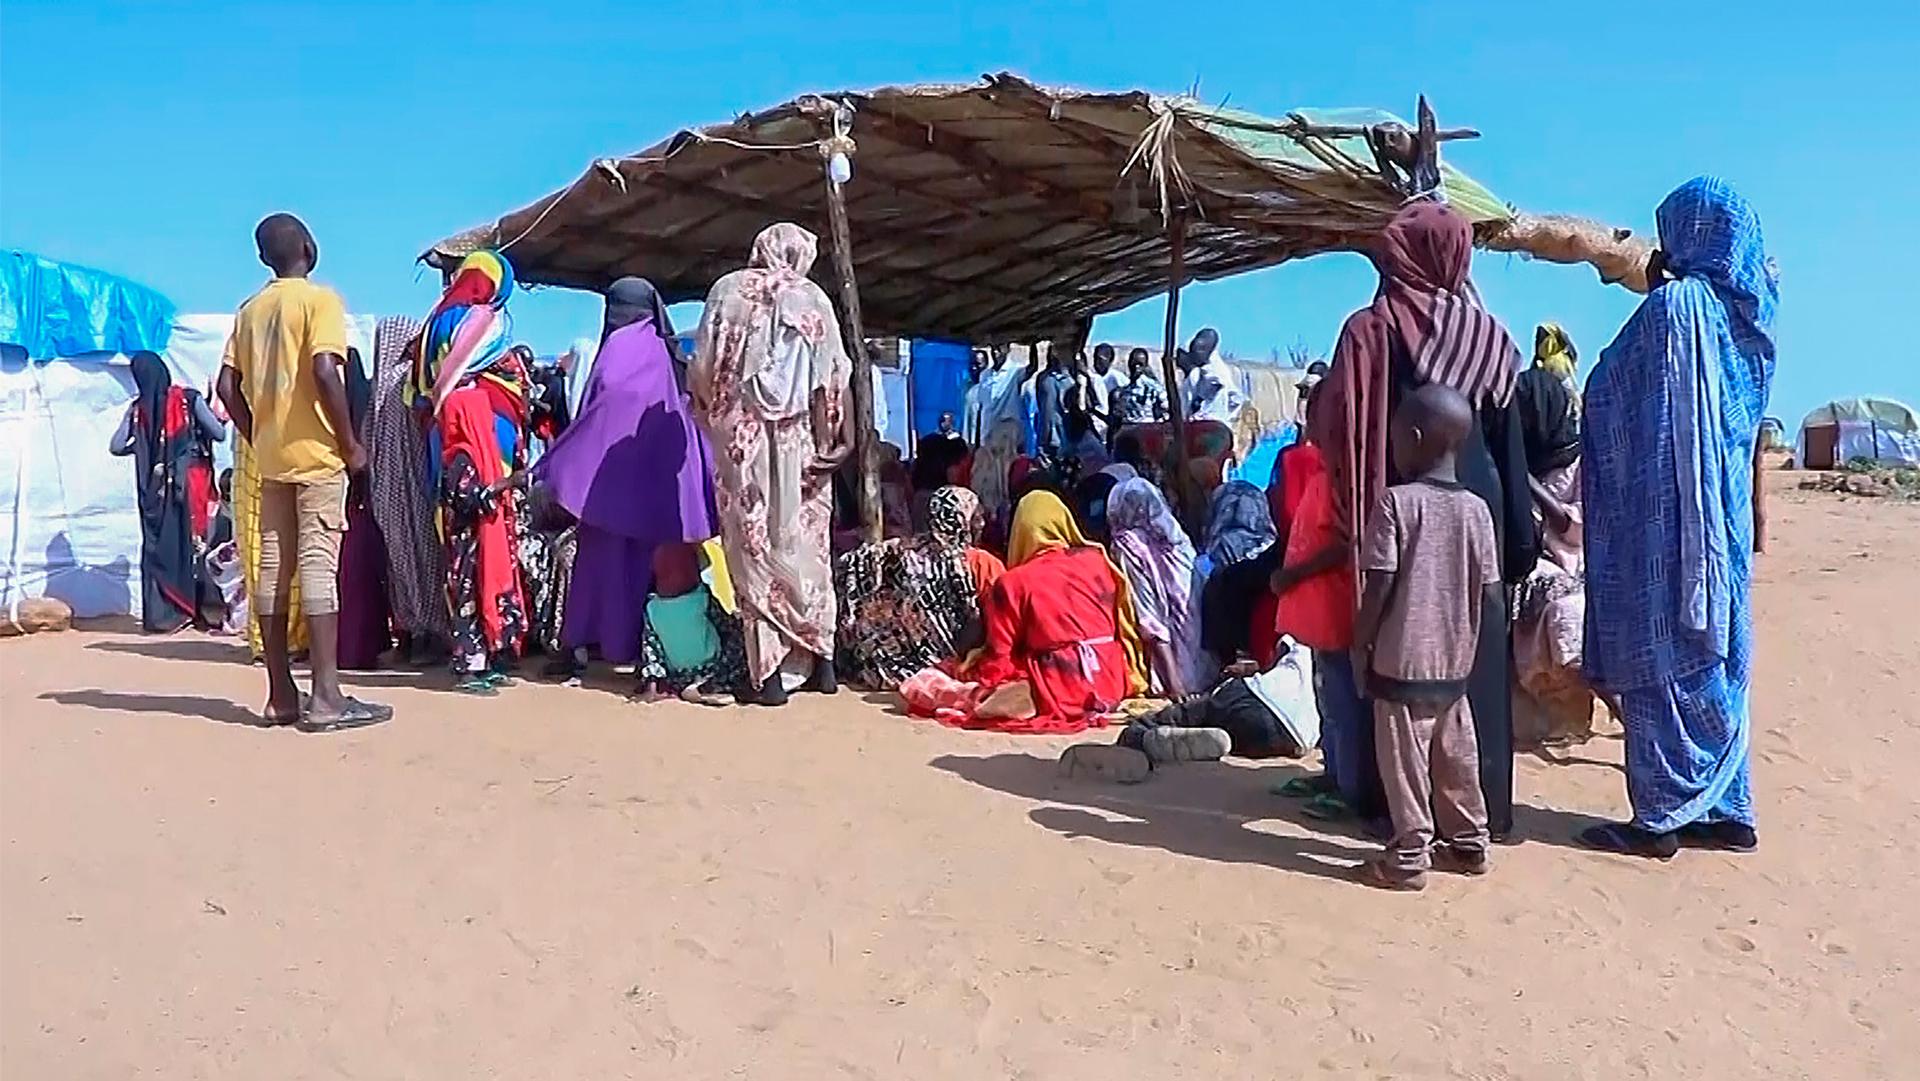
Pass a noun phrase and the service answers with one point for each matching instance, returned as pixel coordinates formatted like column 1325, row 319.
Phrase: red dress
column 1051, row 621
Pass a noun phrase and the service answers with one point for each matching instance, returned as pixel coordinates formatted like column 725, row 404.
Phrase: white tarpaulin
column 68, row 524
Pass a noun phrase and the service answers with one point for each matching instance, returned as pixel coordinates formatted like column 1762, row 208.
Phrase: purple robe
column 636, row 472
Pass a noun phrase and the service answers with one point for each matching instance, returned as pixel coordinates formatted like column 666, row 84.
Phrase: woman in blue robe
column 1672, row 413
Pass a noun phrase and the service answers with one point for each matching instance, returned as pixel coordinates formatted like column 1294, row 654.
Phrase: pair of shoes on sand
column 1445, row 858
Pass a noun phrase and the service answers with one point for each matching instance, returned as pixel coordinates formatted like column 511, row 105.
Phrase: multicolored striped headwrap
column 467, row 331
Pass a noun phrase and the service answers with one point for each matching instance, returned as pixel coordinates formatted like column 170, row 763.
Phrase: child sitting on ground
column 1429, row 559
column 692, row 646
column 1251, row 714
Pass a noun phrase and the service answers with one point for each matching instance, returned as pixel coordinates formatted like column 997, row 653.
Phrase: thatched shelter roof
column 996, row 211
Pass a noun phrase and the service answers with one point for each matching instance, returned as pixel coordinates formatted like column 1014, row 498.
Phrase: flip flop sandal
column 1622, row 839
column 1327, row 807
column 498, row 679
column 477, row 685
column 358, row 714
column 1719, row 836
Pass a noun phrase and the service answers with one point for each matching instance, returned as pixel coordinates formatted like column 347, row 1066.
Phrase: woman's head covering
column 1709, row 231
column 1137, row 507
column 467, row 331
column 1553, row 350
column 950, row 516
column 632, row 299
column 785, row 249
column 1120, row 471
column 151, row 381
column 1424, row 257
column 1239, row 525
column 1041, row 524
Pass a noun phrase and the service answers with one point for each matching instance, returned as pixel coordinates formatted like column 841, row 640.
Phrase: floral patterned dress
column 465, row 501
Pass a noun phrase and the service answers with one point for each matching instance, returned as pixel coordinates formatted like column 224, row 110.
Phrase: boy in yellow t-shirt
column 281, row 381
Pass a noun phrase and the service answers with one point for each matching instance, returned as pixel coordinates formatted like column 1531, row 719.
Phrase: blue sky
column 147, row 138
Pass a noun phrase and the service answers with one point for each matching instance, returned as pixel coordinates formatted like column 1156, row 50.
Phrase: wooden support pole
column 1176, row 405
column 854, row 333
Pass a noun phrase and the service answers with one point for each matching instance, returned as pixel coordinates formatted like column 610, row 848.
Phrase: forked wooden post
column 835, row 123
column 1176, row 404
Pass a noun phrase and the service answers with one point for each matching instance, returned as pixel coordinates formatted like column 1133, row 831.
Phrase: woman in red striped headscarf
column 1427, row 325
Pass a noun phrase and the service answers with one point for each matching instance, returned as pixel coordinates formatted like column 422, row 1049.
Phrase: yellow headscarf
column 1553, row 350
column 1042, row 524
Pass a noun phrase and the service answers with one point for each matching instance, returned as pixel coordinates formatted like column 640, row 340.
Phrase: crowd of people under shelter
column 1457, row 551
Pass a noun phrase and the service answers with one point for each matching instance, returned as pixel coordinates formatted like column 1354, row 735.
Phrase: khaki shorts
column 301, row 523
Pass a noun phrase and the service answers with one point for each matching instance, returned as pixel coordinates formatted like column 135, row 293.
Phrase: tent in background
column 69, row 527
column 1878, row 429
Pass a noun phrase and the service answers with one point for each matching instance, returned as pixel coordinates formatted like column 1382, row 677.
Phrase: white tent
column 68, row 524
column 1879, row 429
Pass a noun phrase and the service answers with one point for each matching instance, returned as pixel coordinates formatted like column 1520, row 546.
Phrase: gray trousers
column 1430, row 767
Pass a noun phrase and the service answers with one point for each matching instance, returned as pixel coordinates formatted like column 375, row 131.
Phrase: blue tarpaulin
column 940, row 375
column 53, row 309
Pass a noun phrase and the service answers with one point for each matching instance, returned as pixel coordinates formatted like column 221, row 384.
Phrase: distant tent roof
column 1885, row 412
column 995, row 211
column 54, row 309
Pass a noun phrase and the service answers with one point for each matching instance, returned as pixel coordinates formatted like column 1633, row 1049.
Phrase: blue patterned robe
column 1672, row 413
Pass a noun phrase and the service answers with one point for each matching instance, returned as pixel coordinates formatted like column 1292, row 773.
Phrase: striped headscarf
column 467, row 332
column 1426, row 296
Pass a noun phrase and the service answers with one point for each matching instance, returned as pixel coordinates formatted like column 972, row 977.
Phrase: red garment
column 1318, row 611
column 466, row 426
column 1036, row 618
column 987, row 570
column 203, row 500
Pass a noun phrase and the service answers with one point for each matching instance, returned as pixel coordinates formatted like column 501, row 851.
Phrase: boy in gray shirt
column 1428, row 555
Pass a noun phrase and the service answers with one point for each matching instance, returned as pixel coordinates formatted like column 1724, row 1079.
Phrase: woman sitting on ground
column 1059, row 624
column 1149, row 545
column 906, row 605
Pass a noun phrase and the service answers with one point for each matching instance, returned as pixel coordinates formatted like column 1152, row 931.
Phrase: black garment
column 1233, row 707
column 174, row 593
column 1549, row 424
column 1492, row 465
column 1227, row 602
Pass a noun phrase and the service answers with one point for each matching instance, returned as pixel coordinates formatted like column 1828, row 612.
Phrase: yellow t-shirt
column 276, row 335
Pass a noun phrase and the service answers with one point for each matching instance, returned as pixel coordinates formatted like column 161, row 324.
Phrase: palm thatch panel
column 991, row 212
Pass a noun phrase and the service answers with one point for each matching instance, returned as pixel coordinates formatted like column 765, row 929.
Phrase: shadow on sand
column 1202, row 810
column 178, row 705
column 183, row 648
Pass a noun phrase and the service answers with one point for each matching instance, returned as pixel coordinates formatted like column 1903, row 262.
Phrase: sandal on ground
column 357, row 714
column 1304, row 787
column 270, row 719
column 1719, row 836
column 1626, row 839
column 1454, row 861
column 497, row 678
column 1327, row 807
column 1382, row 877
column 478, row 685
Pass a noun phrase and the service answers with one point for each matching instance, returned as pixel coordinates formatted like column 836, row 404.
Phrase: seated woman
column 1149, row 545
column 692, row 646
column 906, row 605
column 1060, row 623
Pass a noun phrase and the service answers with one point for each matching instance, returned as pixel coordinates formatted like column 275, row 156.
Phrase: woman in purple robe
column 633, row 469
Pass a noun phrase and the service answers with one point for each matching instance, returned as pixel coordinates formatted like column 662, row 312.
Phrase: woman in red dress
column 1061, row 619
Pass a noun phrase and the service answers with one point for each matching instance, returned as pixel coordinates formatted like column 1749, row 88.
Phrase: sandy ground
column 558, row 884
